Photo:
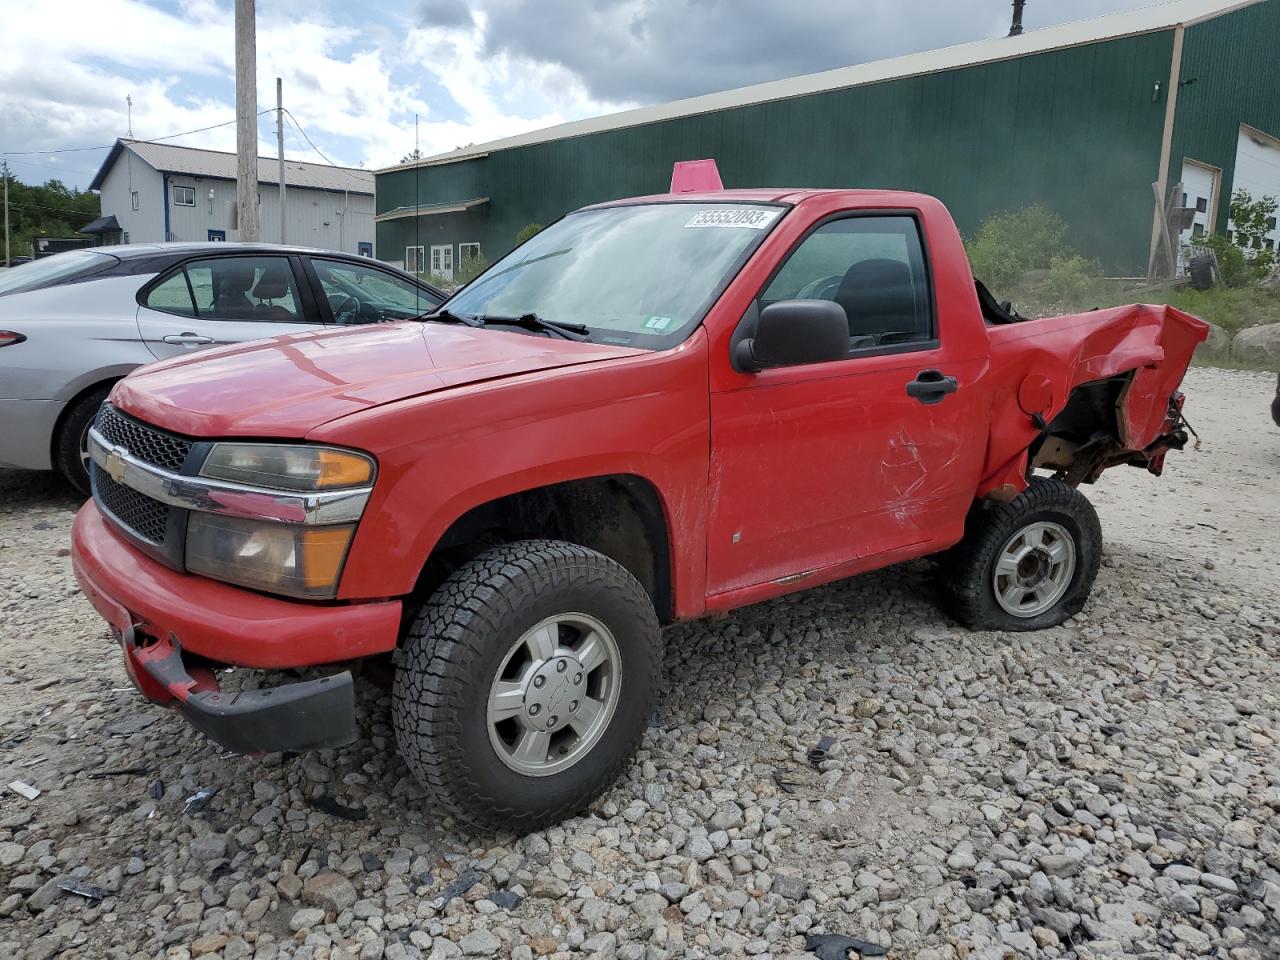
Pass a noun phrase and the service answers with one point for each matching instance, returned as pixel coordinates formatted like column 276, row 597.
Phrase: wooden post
column 246, row 121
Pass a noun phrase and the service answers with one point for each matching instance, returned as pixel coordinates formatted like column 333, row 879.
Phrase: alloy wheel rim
column 554, row 694
column 1034, row 569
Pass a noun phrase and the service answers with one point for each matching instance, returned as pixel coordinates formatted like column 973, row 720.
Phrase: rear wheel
column 71, row 448
column 1027, row 564
column 525, row 683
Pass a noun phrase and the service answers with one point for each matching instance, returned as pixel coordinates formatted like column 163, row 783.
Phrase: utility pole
column 246, row 122
column 280, row 152
column 6, row 213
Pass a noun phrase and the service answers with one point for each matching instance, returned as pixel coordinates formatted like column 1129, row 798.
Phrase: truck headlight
column 291, row 559
column 288, row 467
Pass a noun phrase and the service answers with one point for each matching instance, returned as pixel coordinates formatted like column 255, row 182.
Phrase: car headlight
column 288, row 467
column 291, row 559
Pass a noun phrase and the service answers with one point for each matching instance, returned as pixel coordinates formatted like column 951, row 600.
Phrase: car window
column 244, row 288
column 360, row 294
column 172, row 295
column 874, row 267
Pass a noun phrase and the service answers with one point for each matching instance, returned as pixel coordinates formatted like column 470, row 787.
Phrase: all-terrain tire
column 966, row 574
column 68, row 445
column 454, row 648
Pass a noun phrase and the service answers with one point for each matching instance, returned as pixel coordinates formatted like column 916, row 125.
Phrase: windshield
column 642, row 275
column 47, row 271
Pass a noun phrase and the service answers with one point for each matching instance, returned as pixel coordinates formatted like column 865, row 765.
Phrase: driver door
column 215, row 301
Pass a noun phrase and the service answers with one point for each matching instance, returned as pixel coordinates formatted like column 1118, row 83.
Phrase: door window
column 361, row 294
column 172, row 295
column 874, row 268
column 244, row 288
column 413, row 259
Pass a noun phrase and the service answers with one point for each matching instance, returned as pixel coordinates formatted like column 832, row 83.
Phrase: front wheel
column 525, row 683
column 1027, row 564
column 71, row 446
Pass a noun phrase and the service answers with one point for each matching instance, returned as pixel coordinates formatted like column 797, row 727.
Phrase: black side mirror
column 794, row 332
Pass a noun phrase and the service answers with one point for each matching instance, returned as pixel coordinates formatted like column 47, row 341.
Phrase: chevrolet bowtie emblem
column 115, row 465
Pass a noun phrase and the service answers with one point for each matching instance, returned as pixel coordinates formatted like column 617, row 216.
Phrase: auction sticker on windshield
column 754, row 218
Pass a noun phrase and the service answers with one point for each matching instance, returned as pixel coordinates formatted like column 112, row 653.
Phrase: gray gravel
column 1110, row 788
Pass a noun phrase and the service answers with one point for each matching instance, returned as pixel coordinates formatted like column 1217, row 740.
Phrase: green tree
column 411, row 156
column 1253, row 220
column 528, row 232
column 51, row 209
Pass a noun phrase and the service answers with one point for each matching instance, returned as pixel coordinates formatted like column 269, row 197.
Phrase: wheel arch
column 620, row 515
column 81, row 388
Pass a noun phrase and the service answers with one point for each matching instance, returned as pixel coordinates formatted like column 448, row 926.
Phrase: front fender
column 443, row 454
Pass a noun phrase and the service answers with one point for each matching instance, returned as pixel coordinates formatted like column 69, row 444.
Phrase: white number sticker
column 752, row 218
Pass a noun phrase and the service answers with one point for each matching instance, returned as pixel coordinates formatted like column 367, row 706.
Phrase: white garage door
column 1258, row 171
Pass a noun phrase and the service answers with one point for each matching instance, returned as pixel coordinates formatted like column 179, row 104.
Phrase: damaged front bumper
column 310, row 715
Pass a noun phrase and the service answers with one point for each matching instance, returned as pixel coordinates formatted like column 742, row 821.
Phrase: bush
column 528, row 233
column 1072, row 281
column 1008, row 245
column 1234, row 268
column 471, row 268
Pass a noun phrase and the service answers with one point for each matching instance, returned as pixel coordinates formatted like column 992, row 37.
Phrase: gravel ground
column 1108, row 788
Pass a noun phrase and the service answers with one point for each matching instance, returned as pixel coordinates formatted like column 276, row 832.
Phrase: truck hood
column 286, row 386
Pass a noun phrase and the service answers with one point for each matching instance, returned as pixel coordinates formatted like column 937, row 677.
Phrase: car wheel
column 71, row 450
column 524, row 684
column 1024, row 565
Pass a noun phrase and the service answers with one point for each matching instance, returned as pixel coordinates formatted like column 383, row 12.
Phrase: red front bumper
column 215, row 620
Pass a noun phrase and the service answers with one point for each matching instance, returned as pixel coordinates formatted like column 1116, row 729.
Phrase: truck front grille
column 145, row 442
column 138, row 513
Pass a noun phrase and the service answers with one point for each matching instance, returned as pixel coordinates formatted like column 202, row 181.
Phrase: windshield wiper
column 448, row 316
column 531, row 321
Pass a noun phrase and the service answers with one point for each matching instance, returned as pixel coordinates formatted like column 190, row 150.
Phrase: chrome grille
column 143, row 441
column 142, row 516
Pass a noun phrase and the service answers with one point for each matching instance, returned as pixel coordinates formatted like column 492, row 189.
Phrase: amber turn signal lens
column 323, row 551
column 338, row 469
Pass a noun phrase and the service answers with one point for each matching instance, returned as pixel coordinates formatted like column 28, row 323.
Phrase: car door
column 212, row 301
column 354, row 293
column 819, row 465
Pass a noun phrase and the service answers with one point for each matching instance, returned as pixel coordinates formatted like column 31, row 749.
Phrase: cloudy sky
column 355, row 74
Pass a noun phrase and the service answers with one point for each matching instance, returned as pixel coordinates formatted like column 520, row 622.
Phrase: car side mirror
column 793, row 332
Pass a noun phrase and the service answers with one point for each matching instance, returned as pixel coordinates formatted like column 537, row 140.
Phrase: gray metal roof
column 191, row 161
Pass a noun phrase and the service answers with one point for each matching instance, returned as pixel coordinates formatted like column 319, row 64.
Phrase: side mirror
column 793, row 332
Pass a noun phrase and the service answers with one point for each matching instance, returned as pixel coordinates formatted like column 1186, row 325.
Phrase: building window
column 133, row 199
column 442, row 261
column 364, row 248
column 1202, row 205
column 1197, row 230
column 1271, row 224
column 413, row 259
column 468, row 251
column 184, row 196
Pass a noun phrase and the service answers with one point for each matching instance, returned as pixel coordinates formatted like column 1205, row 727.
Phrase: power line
column 108, row 146
column 45, row 206
column 347, row 170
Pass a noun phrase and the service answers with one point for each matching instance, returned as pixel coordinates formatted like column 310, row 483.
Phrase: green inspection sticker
column 657, row 323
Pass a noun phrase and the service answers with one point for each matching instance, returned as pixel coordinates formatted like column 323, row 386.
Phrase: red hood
column 286, row 386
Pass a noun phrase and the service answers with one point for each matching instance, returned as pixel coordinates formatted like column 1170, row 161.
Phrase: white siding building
column 159, row 192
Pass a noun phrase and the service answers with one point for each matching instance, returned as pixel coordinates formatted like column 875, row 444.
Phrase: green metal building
column 1082, row 117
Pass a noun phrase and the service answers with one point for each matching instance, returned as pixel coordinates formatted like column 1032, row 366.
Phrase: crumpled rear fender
column 1036, row 364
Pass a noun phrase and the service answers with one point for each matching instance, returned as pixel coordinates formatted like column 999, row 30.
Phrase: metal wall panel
column 1077, row 129
column 1230, row 76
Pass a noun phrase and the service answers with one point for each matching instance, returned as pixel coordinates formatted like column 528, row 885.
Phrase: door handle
column 187, row 339
column 931, row 386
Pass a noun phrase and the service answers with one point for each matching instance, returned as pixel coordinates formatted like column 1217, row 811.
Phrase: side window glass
column 874, row 268
column 172, row 295
column 244, row 288
column 360, row 294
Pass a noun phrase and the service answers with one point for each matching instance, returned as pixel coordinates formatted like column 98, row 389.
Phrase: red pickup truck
column 655, row 409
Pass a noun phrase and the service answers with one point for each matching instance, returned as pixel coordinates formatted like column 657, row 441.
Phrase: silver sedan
column 73, row 324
